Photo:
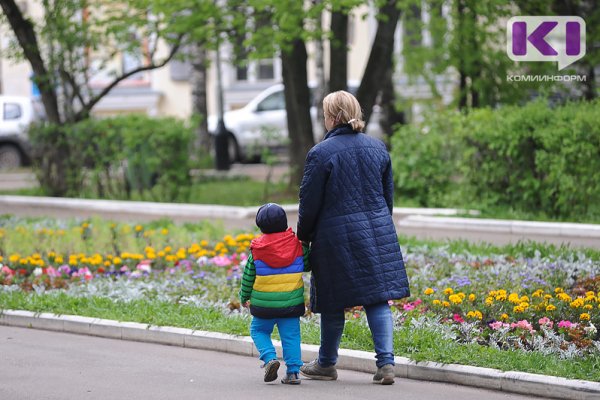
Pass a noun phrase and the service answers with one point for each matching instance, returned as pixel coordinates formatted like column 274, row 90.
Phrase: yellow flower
column 501, row 295
column 588, row 307
column 454, row 298
column 564, row 297
column 514, row 298
column 428, row 291
column 584, row 317
column 446, row 304
column 471, row 297
column 558, row 290
column 437, row 302
column 168, row 249
column 547, row 296
column 504, row 317
column 550, row 307
column 139, row 228
column 448, row 291
column 489, row 301
column 538, row 293
column 578, row 302
column 161, row 253
column 117, row 260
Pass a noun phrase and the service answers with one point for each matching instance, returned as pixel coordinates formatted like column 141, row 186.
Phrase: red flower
column 458, row 318
column 101, row 270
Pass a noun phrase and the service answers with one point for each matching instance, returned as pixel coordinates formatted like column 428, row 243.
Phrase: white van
column 16, row 114
column 263, row 123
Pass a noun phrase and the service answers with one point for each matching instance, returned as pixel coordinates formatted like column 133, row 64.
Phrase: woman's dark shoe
column 385, row 375
column 271, row 370
column 313, row 370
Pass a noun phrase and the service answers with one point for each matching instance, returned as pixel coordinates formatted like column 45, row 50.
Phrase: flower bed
column 547, row 304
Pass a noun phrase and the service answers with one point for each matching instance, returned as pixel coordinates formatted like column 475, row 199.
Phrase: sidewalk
column 485, row 378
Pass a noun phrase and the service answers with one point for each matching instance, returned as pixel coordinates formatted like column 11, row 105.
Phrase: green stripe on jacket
column 277, row 299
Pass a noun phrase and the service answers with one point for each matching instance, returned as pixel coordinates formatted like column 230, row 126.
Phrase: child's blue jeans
column 379, row 317
column 289, row 332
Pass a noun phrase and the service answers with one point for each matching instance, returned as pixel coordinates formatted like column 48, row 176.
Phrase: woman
column 346, row 202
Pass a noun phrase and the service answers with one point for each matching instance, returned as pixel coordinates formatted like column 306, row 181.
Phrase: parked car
column 16, row 114
column 263, row 123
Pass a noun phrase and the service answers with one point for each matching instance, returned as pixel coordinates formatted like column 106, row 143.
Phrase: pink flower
column 546, row 322
column 51, row 272
column 7, row 271
column 523, row 324
column 124, row 268
column 497, row 325
column 458, row 318
column 408, row 306
column 417, row 302
column 566, row 324
column 221, row 261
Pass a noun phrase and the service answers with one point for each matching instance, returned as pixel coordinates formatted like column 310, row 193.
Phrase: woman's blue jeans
column 289, row 332
column 379, row 317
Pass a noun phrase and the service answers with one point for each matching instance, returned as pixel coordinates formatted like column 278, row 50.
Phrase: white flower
column 37, row 272
column 590, row 330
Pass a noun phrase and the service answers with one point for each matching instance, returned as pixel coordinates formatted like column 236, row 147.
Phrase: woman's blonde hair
column 344, row 109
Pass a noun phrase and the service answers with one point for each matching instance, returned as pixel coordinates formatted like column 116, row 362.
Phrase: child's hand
column 246, row 304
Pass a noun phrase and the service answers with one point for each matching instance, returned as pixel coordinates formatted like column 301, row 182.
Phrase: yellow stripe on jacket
column 279, row 283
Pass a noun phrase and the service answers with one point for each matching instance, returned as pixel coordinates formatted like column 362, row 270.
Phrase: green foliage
column 114, row 157
column 531, row 159
column 425, row 159
column 535, row 157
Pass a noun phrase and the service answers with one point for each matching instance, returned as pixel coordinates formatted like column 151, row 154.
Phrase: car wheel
column 232, row 148
column 10, row 157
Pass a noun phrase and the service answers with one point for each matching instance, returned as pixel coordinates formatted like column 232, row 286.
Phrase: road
column 45, row 365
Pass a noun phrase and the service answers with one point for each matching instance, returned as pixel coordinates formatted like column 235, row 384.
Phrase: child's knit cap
column 271, row 218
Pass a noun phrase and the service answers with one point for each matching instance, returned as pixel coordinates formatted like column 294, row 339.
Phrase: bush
column 114, row 158
column 425, row 159
column 535, row 158
column 531, row 158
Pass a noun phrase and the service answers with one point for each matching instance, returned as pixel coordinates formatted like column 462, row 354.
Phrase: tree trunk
column 297, row 106
column 460, row 29
column 321, row 88
column 338, row 52
column 381, row 51
column 25, row 34
column 389, row 115
column 199, row 104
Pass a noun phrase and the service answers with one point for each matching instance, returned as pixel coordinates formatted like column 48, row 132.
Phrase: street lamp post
column 222, row 162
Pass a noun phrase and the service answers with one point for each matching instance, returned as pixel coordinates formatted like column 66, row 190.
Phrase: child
column 272, row 281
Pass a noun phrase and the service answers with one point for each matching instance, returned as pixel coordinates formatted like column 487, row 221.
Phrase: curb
column 361, row 361
column 515, row 227
column 161, row 210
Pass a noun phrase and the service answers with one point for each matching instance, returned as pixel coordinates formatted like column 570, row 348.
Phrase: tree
column 380, row 58
column 60, row 48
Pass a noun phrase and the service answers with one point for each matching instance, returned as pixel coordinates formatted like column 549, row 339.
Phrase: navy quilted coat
column 346, row 201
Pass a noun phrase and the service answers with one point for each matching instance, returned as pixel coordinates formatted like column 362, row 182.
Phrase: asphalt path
column 45, row 365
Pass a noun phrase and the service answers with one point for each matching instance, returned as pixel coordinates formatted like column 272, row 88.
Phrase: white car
column 263, row 123
column 16, row 114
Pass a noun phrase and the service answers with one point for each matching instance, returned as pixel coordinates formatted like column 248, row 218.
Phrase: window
column 12, row 111
column 273, row 102
column 241, row 73
column 266, row 70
